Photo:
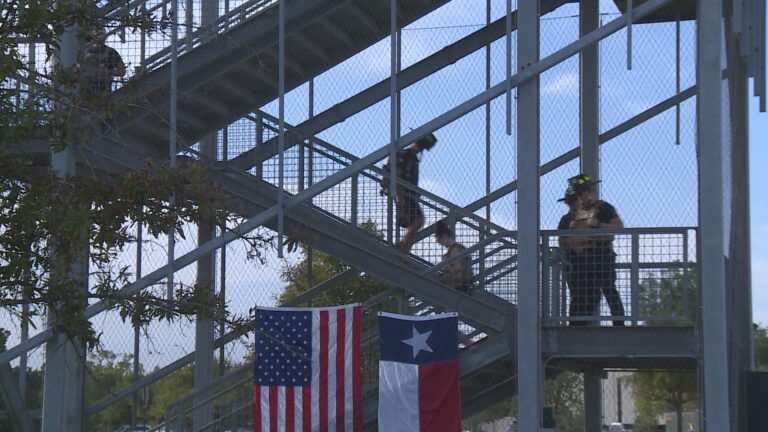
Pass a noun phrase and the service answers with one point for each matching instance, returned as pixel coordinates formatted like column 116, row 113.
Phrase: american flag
column 307, row 370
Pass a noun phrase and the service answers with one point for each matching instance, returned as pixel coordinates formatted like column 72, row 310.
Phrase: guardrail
column 650, row 273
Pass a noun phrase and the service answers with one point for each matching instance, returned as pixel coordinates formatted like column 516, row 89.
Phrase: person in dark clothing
column 594, row 261
column 409, row 212
column 101, row 65
column 458, row 273
column 567, row 243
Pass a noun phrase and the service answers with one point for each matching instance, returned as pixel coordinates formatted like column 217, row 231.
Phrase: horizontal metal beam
column 627, row 342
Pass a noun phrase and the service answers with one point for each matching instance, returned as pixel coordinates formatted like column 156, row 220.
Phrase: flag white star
column 418, row 341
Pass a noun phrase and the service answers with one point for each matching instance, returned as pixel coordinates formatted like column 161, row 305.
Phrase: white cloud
column 564, row 83
column 760, row 289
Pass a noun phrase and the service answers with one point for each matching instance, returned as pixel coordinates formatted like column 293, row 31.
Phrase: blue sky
column 758, row 175
column 631, row 163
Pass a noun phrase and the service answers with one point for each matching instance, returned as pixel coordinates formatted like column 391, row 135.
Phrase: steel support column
column 593, row 401
column 738, row 268
column 589, row 92
column 205, row 282
column 204, row 325
column 710, row 150
column 64, row 371
column 530, row 382
column 128, row 157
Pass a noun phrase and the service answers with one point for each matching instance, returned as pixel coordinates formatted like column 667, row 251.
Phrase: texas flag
column 419, row 373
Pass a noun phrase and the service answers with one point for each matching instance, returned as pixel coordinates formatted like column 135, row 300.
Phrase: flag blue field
column 307, row 370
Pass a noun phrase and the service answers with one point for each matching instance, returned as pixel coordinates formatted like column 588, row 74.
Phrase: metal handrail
column 553, row 287
column 221, row 25
column 378, row 171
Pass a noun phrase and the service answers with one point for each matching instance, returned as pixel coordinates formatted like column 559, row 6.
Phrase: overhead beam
column 617, row 342
column 312, row 46
column 208, row 62
column 363, row 17
column 338, row 32
column 291, row 63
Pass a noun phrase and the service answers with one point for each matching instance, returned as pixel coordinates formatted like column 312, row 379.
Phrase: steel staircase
column 227, row 69
column 224, row 77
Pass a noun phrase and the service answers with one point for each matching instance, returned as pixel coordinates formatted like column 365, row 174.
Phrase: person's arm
column 118, row 66
column 119, row 70
column 606, row 218
column 453, row 268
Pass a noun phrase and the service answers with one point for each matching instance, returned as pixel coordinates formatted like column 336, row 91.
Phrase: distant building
column 618, row 398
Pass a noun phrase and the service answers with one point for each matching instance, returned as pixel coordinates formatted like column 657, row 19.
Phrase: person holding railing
column 593, row 265
column 458, row 273
column 409, row 212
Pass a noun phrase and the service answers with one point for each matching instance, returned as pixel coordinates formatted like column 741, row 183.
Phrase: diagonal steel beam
column 332, row 180
column 407, row 77
column 14, row 403
column 603, row 138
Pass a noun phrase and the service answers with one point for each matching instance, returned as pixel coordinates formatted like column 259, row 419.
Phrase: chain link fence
column 649, row 173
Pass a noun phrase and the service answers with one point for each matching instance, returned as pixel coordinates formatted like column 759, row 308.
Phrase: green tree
column 41, row 213
column 356, row 289
column 662, row 295
column 169, row 390
column 659, row 392
column 108, row 372
column 761, row 347
column 565, row 394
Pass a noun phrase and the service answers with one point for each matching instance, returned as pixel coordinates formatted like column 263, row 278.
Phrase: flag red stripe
column 306, row 408
column 323, row 371
column 439, row 397
column 289, row 409
column 267, row 406
column 273, row 409
column 257, row 408
column 340, row 349
column 357, row 385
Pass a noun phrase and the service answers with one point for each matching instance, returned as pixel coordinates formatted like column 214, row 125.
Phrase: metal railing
column 196, row 37
column 359, row 202
column 653, row 272
column 231, row 396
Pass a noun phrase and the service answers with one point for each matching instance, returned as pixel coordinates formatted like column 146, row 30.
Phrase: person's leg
column 416, row 221
column 592, row 284
column 608, row 288
column 578, row 290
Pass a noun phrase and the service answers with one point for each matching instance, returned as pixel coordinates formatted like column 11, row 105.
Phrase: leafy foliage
column 48, row 223
column 324, row 266
column 761, row 347
column 46, row 103
column 662, row 295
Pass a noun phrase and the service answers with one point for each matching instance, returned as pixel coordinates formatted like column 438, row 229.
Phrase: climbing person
column 457, row 273
column 409, row 214
column 101, row 65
